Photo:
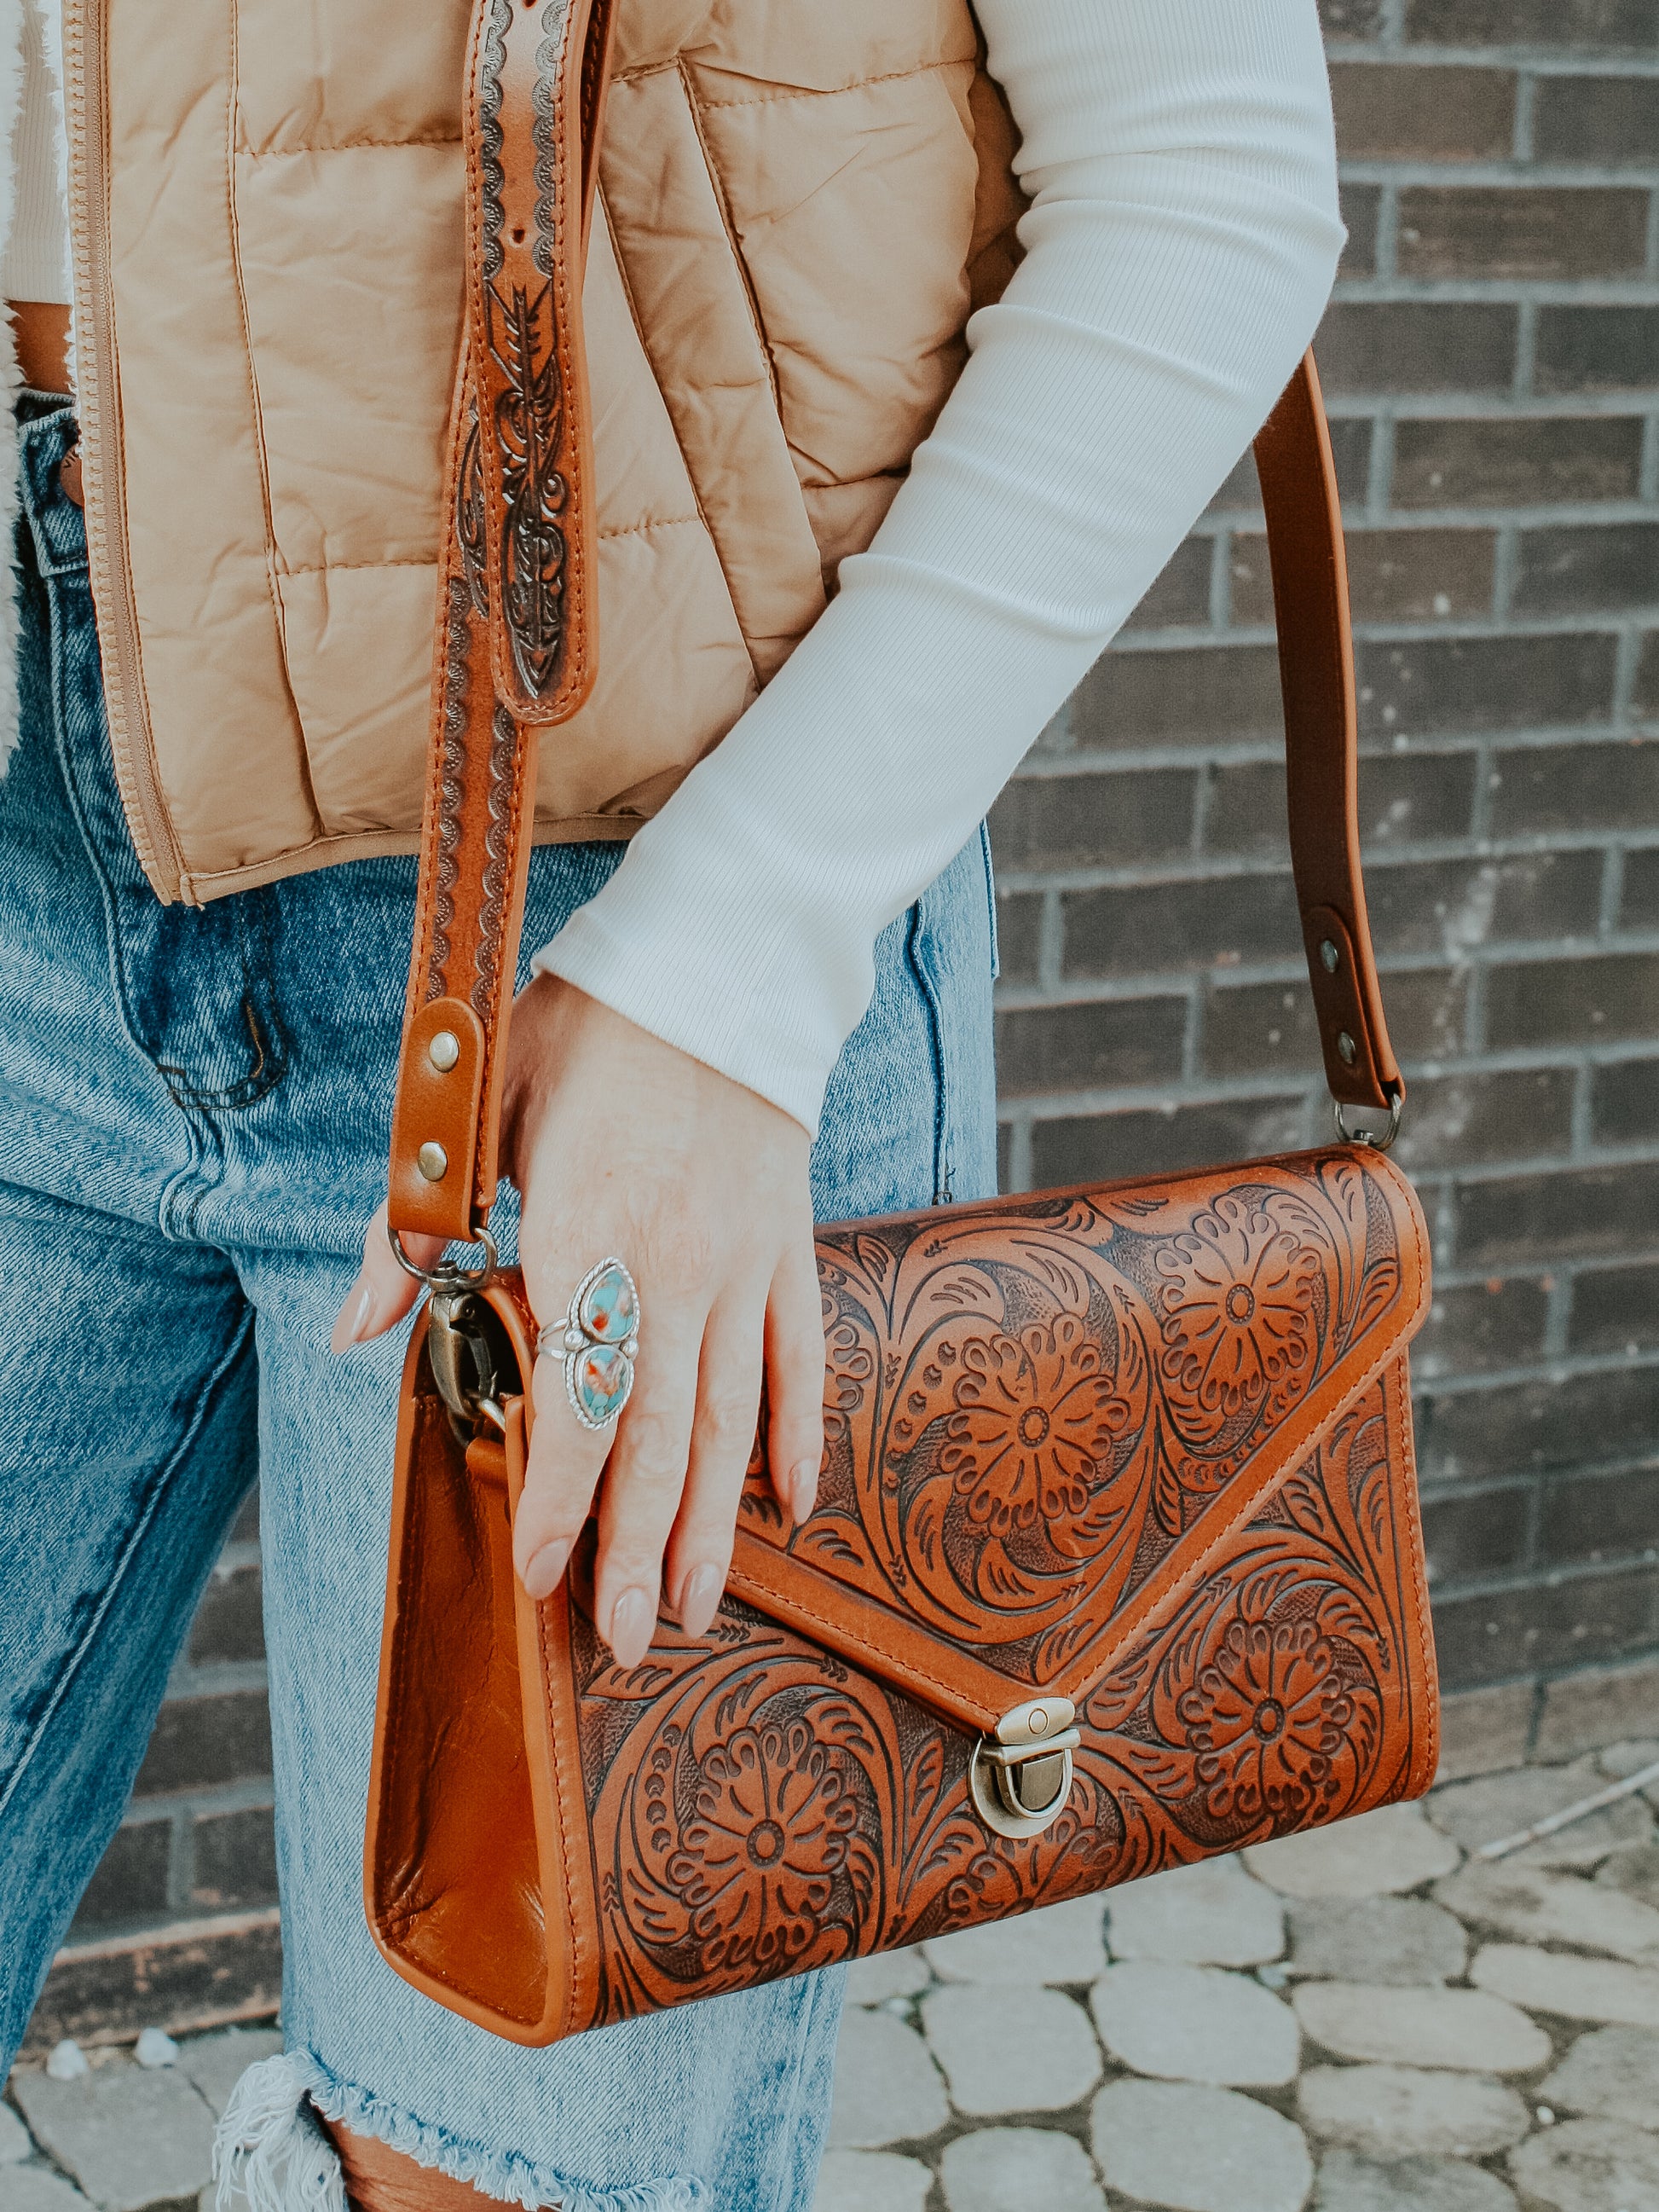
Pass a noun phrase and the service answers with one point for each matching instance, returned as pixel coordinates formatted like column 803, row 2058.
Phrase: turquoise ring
column 598, row 1341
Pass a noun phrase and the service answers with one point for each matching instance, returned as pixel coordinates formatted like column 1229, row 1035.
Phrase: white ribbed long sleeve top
column 1182, row 243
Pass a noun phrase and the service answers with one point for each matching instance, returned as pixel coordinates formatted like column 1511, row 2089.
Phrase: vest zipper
column 98, row 410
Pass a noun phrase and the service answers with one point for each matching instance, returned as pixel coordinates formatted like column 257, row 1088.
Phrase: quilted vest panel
column 799, row 207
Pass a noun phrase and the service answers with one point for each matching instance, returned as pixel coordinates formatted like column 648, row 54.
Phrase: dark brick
column 1546, row 1423
column 1611, row 24
column 1403, row 797
column 1219, row 921
column 228, row 1626
column 1543, row 1627
column 198, row 1742
column 1517, row 461
column 1091, row 821
column 1624, row 1102
column 1181, row 593
column 1586, row 570
column 1644, row 698
column 1480, row 1325
column 1186, row 696
column 179, row 1983
column 1005, row 1156
column 1596, row 349
column 1268, row 1027
column 1020, row 925
column 1611, row 787
column 1615, row 1308
column 1453, row 907
column 1481, row 1533
column 1118, row 1040
column 1603, row 119
column 1360, row 205
column 1572, row 1213
column 131, row 1880
column 235, row 1859
column 1400, row 112
column 1435, row 686
column 1596, row 1001
column 1539, row 231
column 1416, row 345
column 1393, row 576
column 1638, row 909
column 1600, row 1516
column 1351, row 19
column 1100, row 1147
column 1456, row 1120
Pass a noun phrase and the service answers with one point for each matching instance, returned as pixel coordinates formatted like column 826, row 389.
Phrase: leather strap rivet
column 1347, row 1048
column 1328, row 954
column 444, row 1051
column 433, row 1161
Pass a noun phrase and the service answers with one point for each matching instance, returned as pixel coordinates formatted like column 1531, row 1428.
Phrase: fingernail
column 352, row 1331
column 541, row 1577
column 633, row 1617
column 700, row 1599
column 804, row 1488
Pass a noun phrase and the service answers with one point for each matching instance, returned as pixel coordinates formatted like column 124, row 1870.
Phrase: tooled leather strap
column 517, row 624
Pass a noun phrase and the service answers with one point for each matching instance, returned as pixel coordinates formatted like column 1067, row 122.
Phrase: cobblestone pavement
column 1364, row 2020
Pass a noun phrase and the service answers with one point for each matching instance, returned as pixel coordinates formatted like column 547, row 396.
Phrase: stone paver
column 215, row 2063
column 887, row 2088
column 890, row 1974
column 1465, row 2029
column 1011, row 2049
column 1212, row 1914
column 1497, row 1805
column 1348, row 2183
column 1019, row 2170
column 1392, row 2112
column 1061, row 1943
column 1634, row 1872
column 1394, row 1847
column 1402, row 1940
column 1591, row 2166
column 871, row 2181
column 1195, row 2024
column 1612, row 2073
column 32, row 2189
column 1622, row 1760
column 128, row 2135
column 1561, row 1982
column 1540, row 1905
column 14, row 2137
column 1199, row 2149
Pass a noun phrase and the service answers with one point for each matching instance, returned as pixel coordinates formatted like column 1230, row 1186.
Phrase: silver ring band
column 599, row 1342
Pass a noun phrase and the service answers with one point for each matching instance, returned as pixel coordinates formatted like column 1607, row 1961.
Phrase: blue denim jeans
column 194, row 1113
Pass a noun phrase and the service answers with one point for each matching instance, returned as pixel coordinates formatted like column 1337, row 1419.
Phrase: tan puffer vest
column 800, row 202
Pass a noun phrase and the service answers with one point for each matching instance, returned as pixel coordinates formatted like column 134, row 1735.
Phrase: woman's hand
column 621, row 1144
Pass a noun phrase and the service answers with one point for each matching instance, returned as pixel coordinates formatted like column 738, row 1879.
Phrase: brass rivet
column 444, row 1051
column 1330, row 956
column 433, row 1161
column 1347, row 1048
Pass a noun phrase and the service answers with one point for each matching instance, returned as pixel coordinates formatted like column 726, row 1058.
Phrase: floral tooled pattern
column 759, row 1807
column 1237, row 1305
column 1032, row 1429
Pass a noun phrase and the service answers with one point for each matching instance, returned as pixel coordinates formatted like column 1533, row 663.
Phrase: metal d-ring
column 1378, row 1140
column 448, row 1274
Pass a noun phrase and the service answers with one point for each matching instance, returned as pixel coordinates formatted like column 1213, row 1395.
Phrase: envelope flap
column 1043, row 1414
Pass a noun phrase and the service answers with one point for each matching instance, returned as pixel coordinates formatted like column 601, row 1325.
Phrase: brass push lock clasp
column 1020, row 1779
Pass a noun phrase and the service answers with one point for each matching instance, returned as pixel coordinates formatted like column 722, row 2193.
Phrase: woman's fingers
column 561, row 1474
column 382, row 1293
column 699, row 1553
column 644, row 1480
column 795, row 1378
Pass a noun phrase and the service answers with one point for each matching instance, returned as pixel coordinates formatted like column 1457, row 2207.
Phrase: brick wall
column 1492, row 363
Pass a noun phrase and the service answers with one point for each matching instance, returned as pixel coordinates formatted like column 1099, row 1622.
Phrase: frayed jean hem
column 271, row 2156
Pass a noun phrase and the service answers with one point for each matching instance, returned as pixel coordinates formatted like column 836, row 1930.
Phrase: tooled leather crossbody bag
column 1116, row 1563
